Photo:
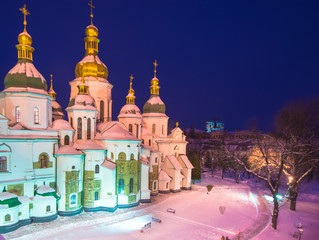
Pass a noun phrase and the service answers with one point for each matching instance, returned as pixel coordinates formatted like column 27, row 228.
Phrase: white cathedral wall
column 145, row 192
column 14, row 212
column 20, row 164
column 39, row 207
column 160, row 124
column 136, row 124
column 27, row 102
column 99, row 90
column 117, row 146
column 108, row 195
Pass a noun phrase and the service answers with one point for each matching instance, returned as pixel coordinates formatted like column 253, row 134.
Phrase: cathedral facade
column 50, row 166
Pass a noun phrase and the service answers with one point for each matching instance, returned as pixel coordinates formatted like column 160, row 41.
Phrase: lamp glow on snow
column 290, row 178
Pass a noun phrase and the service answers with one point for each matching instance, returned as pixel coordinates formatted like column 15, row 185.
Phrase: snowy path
column 197, row 217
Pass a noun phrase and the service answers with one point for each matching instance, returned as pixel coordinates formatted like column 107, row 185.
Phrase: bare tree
column 297, row 124
column 265, row 161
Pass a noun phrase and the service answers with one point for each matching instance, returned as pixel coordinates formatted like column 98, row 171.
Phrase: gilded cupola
column 91, row 65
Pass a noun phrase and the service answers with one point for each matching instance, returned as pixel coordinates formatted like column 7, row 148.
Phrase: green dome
column 154, row 105
column 24, row 75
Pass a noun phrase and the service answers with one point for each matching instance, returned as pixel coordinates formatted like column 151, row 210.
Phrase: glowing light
column 290, row 178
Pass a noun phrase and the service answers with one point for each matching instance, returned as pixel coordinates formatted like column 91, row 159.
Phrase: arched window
column 154, row 185
column 132, row 156
column 88, row 128
column 137, row 126
column 96, row 196
column 66, row 140
column 73, row 199
column 3, row 164
column 153, row 128
column 130, row 128
column 79, row 128
column 131, row 185
column 112, row 155
column 36, row 115
column 97, row 168
column 121, row 186
column 7, row 218
column 71, row 122
column 122, row 156
column 163, row 129
column 44, row 159
column 73, row 167
column 149, row 142
column 18, row 116
column 102, row 111
column 48, row 208
column 156, row 160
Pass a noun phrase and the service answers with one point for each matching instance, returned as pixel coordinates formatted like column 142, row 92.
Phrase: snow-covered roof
column 68, row 150
column 130, row 110
column 6, row 195
column 174, row 162
column 154, row 114
column 88, row 145
column 82, row 102
column 44, row 189
column 162, row 176
column 43, row 198
column 186, row 161
column 92, row 58
column 109, row 164
column 61, row 124
column 56, row 108
column 155, row 100
column 26, row 89
column 114, row 131
column 3, row 118
column 144, row 161
column 24, row 199
column 18, row 126
column 28, row 68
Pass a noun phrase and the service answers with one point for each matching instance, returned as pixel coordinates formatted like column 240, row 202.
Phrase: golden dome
column 91, row 31
column 25, row 39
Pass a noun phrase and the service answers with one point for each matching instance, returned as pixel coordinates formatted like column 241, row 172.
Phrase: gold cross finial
column 177, row 124
column 25, row 13
column 155, row 65
column 51, row 88
column 131, row 78
column 91, row 5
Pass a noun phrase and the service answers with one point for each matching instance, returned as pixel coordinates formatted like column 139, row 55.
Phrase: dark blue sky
column 233, row 60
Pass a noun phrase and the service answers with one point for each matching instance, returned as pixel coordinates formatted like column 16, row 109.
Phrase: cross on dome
column 25, row 13
column 155, row 65
column 91, row 5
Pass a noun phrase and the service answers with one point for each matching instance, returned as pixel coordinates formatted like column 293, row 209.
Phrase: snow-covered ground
column 198, row 216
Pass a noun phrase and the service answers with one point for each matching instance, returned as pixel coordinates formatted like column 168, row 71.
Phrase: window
column 121, row 186
column 36, row 115
column 131, row 185
column 163, row 129
column 102, row 111
column 153, row 128
column 137, row 130
column 71, row 122
column 112, row 155
column 48, row 208
column 96, row 196
column 156, row 160
column 7, row 218
column 18, row 114
column 149, row 142
column 97, row 168
column 44, row 159
column 3, row 164
column 166, row 185
column 88, row 128
column 73, row 199
column 130, row 128
column 73, row 167
column 132, row 156
column 154, row 185
column 122, row 156
column 66, row 140
column 79, row 128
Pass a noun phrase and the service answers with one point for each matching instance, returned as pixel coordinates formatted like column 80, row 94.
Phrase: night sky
column 233, row 60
